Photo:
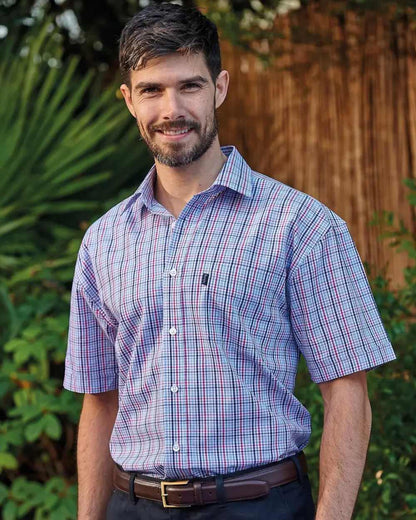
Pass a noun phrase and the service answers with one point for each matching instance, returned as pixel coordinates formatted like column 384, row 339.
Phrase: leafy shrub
column 38, row 428
column 61, row 139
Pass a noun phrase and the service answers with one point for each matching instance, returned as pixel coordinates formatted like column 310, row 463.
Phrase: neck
column 175, row 187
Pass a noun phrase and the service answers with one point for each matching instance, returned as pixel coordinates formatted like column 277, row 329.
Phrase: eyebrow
column 148, row 84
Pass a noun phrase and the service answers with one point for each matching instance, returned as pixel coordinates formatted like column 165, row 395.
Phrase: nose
column 172, row 108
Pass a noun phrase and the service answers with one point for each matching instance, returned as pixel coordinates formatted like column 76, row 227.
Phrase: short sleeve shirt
column 199, row 321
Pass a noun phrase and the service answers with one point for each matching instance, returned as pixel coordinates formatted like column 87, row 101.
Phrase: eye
column 191, row 86
column 149, row 91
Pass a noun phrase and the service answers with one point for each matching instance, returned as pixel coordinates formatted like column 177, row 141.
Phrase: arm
column 95, row 465
column 345, row 436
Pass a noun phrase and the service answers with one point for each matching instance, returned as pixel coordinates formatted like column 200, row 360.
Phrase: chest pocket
column 244, row 286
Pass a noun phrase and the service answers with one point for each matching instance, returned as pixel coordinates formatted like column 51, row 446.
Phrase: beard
column 177, row 155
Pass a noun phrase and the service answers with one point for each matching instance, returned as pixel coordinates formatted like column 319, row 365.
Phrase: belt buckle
column 164, row 495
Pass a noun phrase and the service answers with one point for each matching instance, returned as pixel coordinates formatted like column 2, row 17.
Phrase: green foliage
column 53, row 501
column 390, row 478
column 389, row 483
column 249, row 25
column 61, row 138
column 38, row 423
column 58, row 140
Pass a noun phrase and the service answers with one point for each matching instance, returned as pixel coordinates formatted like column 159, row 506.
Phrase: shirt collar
column 235, row 174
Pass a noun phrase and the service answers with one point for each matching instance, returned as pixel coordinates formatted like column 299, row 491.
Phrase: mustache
column 175, row 125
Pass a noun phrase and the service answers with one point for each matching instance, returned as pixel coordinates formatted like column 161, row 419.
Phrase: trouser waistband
column 245, row 485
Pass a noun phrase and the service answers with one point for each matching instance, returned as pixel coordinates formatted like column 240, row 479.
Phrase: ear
column 124, row 89
column 221, row 87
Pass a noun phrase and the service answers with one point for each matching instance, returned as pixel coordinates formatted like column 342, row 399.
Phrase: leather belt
column 244, row 485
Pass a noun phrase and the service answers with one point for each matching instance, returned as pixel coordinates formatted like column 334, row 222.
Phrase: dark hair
column 161, row 29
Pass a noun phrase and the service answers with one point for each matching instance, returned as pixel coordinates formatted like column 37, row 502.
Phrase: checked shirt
column 200, row 321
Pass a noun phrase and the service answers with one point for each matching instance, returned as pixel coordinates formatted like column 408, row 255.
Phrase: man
column 192, row 301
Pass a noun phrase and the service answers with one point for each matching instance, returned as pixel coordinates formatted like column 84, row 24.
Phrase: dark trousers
column 289, row 502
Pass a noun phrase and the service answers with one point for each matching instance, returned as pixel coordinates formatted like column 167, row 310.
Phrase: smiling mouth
column 175, row 132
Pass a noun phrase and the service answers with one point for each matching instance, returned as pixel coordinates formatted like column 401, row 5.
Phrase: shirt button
column 172, row 272
column 173, row 224
column 176, row 447
column 172, row 331
column 174, row 389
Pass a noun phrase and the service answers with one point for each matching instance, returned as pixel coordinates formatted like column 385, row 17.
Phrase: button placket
column 181, row 238
column 169, row 319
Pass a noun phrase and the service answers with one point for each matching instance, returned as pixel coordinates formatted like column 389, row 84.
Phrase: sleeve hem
column 325, row 370
column 76, row 383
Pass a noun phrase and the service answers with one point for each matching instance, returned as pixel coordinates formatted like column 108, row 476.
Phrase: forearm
column 344, row 444
column 95, row 465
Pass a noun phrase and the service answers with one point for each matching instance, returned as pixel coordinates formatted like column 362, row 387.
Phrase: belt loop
column 132, row 495
column 219, row 482
column 295, row 460
column 198, row 493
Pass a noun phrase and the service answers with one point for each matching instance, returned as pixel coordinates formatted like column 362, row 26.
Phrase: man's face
column 173, row 99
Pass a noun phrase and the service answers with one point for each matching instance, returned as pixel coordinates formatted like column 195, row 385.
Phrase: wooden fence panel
column 333, row 116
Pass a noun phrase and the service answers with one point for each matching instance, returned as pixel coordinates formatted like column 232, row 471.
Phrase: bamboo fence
column 334, row 115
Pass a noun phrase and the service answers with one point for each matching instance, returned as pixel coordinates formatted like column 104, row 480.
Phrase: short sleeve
column 90, row 364
column 334, row 317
